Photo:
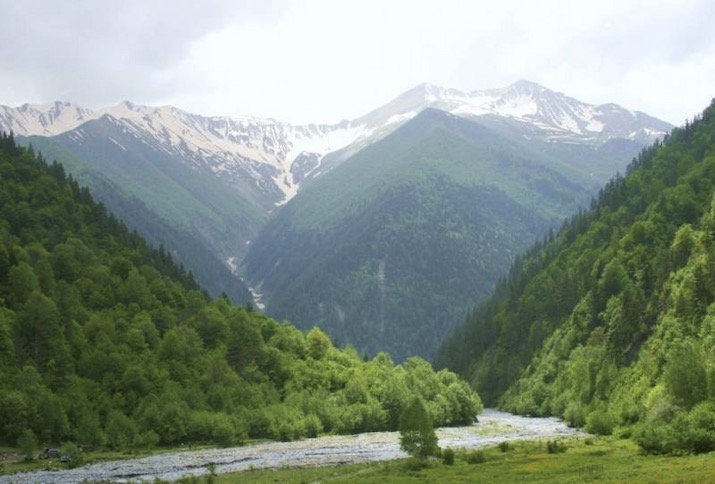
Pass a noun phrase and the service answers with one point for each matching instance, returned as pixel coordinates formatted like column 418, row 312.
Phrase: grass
column 592, row 460
column 602, row 459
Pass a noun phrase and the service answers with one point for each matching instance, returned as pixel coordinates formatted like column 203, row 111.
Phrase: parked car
column 50, row 453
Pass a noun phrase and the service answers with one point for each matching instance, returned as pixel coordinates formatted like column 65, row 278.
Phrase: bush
column 313, row 425
column 27, row 441
column 476, row 457
column 504, row 446
column 448, row 456
column 692, row 432
column 600, row 422
column 145, row 440
column 654, row 438
column 555, row 447
column 72, row 455
column 575, row 414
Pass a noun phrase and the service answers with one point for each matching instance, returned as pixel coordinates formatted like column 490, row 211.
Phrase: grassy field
column 591, row 460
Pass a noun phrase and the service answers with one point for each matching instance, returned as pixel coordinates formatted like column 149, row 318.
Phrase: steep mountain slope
column 185, row 245
column 211, row 183
column 273, row 158
column 107, row 344
column 389, row 249
column 611, row 323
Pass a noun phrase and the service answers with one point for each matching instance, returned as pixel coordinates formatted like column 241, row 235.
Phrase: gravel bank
column 493, row 427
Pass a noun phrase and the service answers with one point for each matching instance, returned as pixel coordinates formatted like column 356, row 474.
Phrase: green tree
column 27, row 442
column 417, row 436
column 685, row 375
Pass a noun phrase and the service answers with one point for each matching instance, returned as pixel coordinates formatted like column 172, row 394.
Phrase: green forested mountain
column 201, row 219
column 612, row 322
column 391, row 248
column 106, row 342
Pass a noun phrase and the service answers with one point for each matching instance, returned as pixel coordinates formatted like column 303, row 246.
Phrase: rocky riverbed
column 493, row 427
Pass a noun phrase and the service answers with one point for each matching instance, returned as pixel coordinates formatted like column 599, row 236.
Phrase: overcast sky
column 327, row 60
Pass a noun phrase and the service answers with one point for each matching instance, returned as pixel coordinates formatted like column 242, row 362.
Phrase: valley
column 604, row 322
column 300, row 241
column 307, row 214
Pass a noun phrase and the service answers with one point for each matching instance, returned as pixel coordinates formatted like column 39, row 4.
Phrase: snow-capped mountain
column 273, row 154
column 275, row 157
column 553, row 114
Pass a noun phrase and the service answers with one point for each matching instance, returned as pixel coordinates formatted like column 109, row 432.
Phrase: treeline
column 608, row 323
column 106, row 342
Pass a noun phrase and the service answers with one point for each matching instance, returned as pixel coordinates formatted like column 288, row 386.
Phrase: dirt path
column 493, row 427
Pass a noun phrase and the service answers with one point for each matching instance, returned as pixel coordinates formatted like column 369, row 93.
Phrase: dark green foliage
column 106, row 343
column 504, row 446
column 27, row 443
column 611, row 323
column 448, row 456
column 195, row 220
column 476, row 457
column 389, row 250
column 555, row 447
column 417, row 436
column 687, row 432
column 600, row 422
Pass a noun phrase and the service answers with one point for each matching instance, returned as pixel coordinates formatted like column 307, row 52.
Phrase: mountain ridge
column 284, row 155
column 390, row 249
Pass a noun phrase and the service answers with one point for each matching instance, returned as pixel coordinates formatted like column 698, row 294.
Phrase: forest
column 610, row 323
column 390, row 249
column 107, row 343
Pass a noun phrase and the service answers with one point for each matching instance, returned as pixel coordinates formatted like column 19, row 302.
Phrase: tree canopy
column 609, row 323
column 106, row 342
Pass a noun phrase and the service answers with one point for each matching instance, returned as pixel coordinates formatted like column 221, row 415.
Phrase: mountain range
column 277, row 156
column 225, row 194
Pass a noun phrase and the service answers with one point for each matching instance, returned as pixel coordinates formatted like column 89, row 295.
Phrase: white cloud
column 319, row 60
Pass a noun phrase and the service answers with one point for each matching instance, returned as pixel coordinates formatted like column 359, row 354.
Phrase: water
column 493, row 427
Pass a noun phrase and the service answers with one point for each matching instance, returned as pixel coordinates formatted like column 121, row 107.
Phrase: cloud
column 321, row 61
column 93, row 51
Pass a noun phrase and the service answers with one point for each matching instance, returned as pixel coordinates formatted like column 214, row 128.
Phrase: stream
column 493, row 427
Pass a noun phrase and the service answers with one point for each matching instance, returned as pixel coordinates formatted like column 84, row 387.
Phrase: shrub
column 600, row 422
column 476, row 457
column 73, row 454
column 688, row 432
column 575, row 414
column 27, row 441
column 145, row 440
column 654, row 438
column 504, row 446
column 448, row 456
column 555, row 447
column 313, row 425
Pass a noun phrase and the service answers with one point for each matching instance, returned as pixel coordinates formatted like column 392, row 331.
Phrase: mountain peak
column 527, row 86
column 555, row 115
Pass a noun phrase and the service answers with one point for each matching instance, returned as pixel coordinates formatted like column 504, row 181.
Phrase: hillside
column 205, row 187
column 610, row 323
column 389, row 250
column 106, row 343
column 186, row 235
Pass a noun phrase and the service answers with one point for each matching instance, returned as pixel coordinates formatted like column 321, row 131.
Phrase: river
column 493, row 427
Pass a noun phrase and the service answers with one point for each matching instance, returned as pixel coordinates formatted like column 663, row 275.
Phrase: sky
column 322, row 61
